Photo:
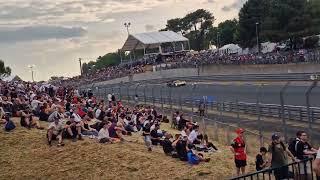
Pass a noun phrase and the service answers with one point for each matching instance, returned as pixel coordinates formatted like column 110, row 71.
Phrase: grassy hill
column 24, row 154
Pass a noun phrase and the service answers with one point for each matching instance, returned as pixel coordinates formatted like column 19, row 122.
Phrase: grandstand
column 156, row 43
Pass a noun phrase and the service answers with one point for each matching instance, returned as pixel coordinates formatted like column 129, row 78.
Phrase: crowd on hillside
column 193, row 60
column 74, row 115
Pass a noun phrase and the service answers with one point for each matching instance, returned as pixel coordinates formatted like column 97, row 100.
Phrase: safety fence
column 301, row 170
column 298, row 113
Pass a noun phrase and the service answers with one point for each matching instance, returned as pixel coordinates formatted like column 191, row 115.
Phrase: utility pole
column 80, row 62
column 257, row 34
column 217, row 42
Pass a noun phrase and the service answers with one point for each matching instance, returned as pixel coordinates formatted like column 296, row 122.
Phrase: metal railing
column 297, row 113
column 296, row 170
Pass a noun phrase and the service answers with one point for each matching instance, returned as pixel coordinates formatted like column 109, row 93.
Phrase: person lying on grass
column 54, row 132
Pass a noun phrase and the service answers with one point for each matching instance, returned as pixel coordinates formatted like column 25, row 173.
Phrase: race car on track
column 176, row 83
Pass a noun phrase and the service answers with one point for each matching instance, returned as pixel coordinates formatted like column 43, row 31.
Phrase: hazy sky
column 53, row 34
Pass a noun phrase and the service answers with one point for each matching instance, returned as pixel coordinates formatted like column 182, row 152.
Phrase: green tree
column 227, row 32
column 4, row 70
column 195, row 26
column 175, row 25
column 252, row 12
column 110, row 59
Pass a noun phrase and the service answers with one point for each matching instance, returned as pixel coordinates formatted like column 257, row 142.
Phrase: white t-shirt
column 34, row 104
column 32, row 96
column 56, row 127
column 77, row 118
column 103, row 133
column 109, row 97
column 318, row 154
column 192, row 136
column 98, row 112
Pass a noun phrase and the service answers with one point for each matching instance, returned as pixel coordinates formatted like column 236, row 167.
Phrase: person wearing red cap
column 238, row 147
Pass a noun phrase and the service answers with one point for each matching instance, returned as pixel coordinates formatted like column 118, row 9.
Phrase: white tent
column 10, row 78
column 268, row 47
column 154, row 40
column 230, row 49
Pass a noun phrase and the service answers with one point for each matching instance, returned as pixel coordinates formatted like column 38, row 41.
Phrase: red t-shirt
column 239, row 145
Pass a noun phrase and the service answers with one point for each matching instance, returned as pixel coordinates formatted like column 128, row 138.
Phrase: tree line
column 286, row 21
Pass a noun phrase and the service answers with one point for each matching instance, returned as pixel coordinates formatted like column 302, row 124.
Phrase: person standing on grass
column 146, row 134
column 278, row 157
column 304, row 151
column 238, row 148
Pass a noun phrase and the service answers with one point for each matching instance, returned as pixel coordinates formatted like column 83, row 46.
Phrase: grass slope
column 24, row 154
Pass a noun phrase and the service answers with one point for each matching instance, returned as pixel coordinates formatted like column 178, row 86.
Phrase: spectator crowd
column 191, row 59
column 77, row 115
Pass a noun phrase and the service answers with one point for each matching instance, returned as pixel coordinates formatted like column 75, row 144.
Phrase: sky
column 54, row 34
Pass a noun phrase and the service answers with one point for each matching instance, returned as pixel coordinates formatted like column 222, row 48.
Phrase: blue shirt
column 192, row 158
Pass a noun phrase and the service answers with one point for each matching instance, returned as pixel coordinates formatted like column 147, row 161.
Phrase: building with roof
column 163, row 43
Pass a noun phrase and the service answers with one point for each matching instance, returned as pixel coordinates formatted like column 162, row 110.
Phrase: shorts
column 66, row 135
column 240, row 163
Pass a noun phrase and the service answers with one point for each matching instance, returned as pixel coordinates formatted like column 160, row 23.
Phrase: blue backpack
column 9, row 125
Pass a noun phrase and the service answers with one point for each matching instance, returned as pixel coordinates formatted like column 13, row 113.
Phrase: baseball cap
column 239, row 131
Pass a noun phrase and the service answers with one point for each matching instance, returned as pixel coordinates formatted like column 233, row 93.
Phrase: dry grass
column 24, row 154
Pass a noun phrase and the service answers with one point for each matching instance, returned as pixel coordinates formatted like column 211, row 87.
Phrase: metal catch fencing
column 259, row 119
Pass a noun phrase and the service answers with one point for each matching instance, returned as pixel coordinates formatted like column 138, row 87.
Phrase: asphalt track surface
column 268, row 94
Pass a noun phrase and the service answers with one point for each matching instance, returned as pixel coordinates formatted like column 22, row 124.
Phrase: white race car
column 176, row 83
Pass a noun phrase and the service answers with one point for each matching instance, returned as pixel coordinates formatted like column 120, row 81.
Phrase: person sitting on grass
column 155, row 136
column 168, row 146
column 181, row 148
column 116, row 130
column 8, row 123
column 27, row 120
column 261, row 161
column 103, row 135
column 44, row 112
column 55, row 132
column 195, row 137
column 59, row 112
column 86, row 129
column 193, row 158
column 72, row 129
column 209, row 145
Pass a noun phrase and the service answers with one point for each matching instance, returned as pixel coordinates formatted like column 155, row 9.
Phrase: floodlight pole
column 127, row 25
column 32, row 72
column 257, row 34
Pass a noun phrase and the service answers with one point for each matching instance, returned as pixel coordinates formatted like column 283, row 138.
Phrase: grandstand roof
column 151, row 40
